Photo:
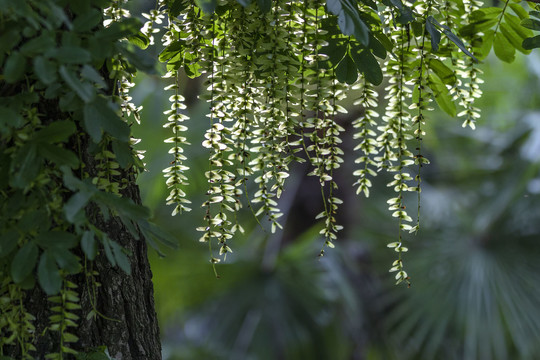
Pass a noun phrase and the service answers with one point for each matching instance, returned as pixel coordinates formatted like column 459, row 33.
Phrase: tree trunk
column 127, row 324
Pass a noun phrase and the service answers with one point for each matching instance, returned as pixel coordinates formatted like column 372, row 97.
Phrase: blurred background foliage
column 474, row 264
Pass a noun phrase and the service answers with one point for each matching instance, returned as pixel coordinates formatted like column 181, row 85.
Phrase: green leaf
column 170, row 51
column 99, row 115
column 8, row 242
column 349, row 20
column 122, row 259
column 503, row 49
column 59, row 155
column 118, row 30
column 368, row 65
column 459, row 43
column 75, row 204
column 57, row 239
column 123, row 206
column 108, row 250
column 72, row 55
column 208, row 6
column 405, row 16
column 531, row 43
column 45, row 70
column 87, row 20
column 89, row 245
column 9, row 118
column 532, row 24
column 442, row 96
column 514, row 23
column 487, row 43
column 65, row 259
column 434, row 33
column 176, row 7
column 244, row 3
column 83, row 89
column 264, row 5
column 91, row 74
column 346, row 71
column 151, row 230
column 39, row 45
column 57, row 131
column 123, row 152
column 24, row 262
column 446, row 74
column 48, row 274
column 519, row 10
column 377, row 47
column 14, row 67
column 25, row 166
column 140, row 40
column 513, row 38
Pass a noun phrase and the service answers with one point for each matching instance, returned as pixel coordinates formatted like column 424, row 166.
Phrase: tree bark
column 128, row 327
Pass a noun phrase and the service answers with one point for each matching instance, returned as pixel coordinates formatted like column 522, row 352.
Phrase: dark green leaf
column 244, row 3
column 57, row 239
column 176, row 7
column 118, row 30
column 87, row 20
column 108, row 250
column 24, row 262
column 72, row 55
column 91, row 74
column 151, row 230
column 45, row 70
column 8, row 242
column 48, row 274
column 346, row 71
column 14, row 67
column 89, row 245
column 264, row 5
column 378, row 49
column 208, row 6
column 122, row 259
column 65, row 259
column 25, row 166
column 59, row 155
column 531, row 43
column 535, row 14
column 459, row 43
column 75, row 204
column 123, row 206
column 503, row 49
column 368, row 65
column 99, row 115
column 124, row 153
column 39, row 45
column 334, row 6
column 83, row 89
column 9, row 118
column 532, row 24
column 434, row 33
column 406, row 15
column 57, row 131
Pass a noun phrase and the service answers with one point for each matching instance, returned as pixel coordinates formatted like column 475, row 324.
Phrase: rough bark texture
column 133, row 334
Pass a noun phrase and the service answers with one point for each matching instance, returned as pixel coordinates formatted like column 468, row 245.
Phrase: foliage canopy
column 276, row 72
